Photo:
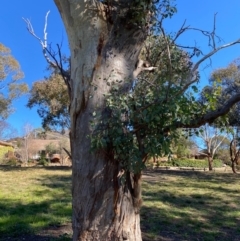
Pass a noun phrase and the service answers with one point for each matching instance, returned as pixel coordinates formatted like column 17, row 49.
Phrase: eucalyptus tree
column 121, row 113
column 10, row 77
column 224, row 83
column 211, row 140
column 51, row 98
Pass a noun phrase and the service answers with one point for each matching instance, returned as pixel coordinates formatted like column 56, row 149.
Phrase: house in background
column 48, row 145
column 5, row 149
column 53, row 150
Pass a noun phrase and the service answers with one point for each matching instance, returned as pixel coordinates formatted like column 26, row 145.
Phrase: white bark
column 212, row 139
column 101, row 52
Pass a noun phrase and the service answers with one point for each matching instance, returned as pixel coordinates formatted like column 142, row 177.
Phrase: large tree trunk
column 103, row 49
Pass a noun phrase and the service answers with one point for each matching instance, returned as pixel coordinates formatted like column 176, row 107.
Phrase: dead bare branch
column 48, row 53
column 42, row 42
column 194, row 72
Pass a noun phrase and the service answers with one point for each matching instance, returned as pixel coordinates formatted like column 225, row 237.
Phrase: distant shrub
column 191, row 163
column 217, row 163
column 43, row 162
column 3, row 151
column 12, row 162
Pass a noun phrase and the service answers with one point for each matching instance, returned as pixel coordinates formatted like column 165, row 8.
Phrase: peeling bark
column 101, row 51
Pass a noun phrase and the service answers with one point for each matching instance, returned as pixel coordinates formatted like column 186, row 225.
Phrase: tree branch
column 48, row 53
column 68, row 153
column 211, row 116
column 192, row 78
column 42, row 42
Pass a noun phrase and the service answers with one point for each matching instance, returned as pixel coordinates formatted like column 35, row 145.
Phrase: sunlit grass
column 191, row 206
column 32, row 199
column 177, row 205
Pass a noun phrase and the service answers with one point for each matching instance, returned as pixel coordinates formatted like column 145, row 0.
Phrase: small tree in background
column 24, row 149
column 6, row 131
column 211, row 139
column 184, row 146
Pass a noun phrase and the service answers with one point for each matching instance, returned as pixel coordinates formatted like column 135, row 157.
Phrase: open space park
column 35, row 204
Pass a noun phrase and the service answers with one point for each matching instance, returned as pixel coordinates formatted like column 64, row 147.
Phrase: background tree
column 223, row 151
column 6, row 130
column 10, row 75
column 184, row 146
column 225, row 82
column 211, row 140
column 51, row 97
column 128, row 117
column 25, row 146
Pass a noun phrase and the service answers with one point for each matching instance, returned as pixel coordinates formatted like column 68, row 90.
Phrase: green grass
column 32, row 199
column 182, row 205
column 177, row 205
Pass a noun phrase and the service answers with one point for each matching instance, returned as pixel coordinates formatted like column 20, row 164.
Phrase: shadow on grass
column 7, row 168
column 40, row 212
column 172, row 215
column 44, row 206
column 215, row 177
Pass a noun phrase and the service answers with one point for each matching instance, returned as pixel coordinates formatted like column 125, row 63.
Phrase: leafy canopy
column 225, row 82
column 145, row 121
column 51, row 97
column 10, row 75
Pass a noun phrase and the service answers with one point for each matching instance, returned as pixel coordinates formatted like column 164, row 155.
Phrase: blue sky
column 27, row 50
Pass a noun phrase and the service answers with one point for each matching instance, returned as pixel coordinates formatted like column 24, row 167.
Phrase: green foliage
column 144, row 121
column 183, row 146
column 163, row 8
column 191, row 163
column 223, row 154
column 224, row 83
column 51, row 148
column 11, row 162
column 4, row 150
column 33, row 199
column 43, row 159
column 141, row 13
column 10, row 75
column 52, row 104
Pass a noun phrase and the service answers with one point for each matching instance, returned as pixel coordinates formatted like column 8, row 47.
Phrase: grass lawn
column 187, row 205
column 34, row 199
column 35, row 204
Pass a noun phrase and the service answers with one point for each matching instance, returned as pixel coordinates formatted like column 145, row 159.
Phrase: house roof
column 40, row 145
column 4, row 143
